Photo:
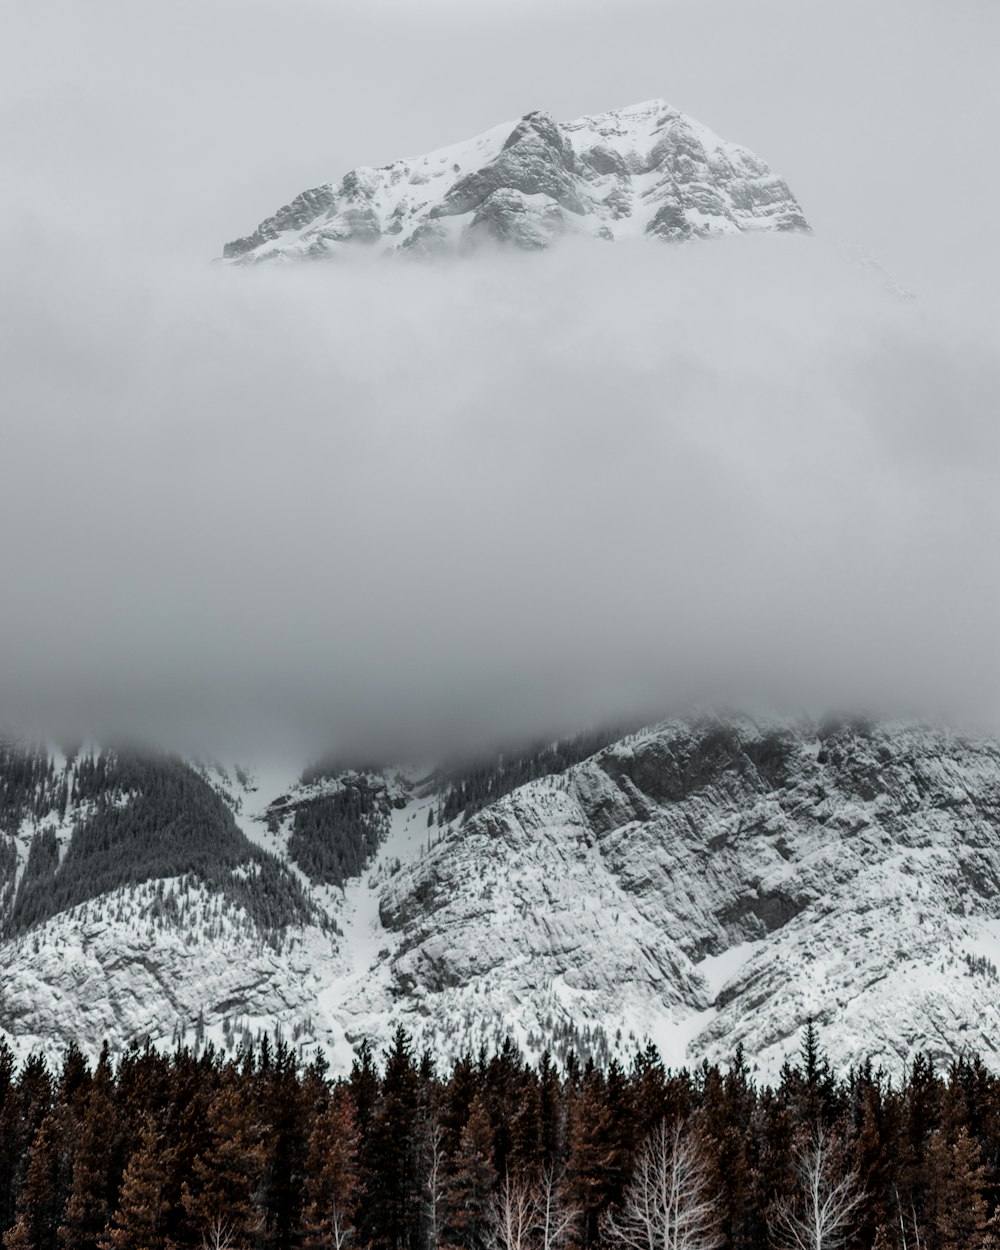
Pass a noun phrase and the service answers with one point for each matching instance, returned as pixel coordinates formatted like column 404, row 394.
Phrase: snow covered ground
column 698, row 887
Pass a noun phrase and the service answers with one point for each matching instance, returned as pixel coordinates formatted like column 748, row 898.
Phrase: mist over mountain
column 515, row 493
column 344, row 600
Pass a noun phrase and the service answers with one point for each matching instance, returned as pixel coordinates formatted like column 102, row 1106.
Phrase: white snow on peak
column 467, row 154
column 646, row 170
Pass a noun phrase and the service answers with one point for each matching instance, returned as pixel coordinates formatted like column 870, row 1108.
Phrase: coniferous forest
column 141, row 816
column 265, row 1152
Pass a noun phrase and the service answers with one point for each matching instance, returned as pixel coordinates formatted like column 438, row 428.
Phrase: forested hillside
column 470, row 788
column 120, row 818
column 186, row 1150
column 30, row 785
column 334, row 835
column 703, row 883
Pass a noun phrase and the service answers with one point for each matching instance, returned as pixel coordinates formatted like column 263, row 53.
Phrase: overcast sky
column 241, row 506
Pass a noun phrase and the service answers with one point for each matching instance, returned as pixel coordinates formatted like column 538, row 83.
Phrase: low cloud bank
column 386, row 501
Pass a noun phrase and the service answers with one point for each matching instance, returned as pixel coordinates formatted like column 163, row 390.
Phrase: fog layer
column 491, row 495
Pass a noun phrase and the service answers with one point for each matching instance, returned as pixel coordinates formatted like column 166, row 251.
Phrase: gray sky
column 521, row 492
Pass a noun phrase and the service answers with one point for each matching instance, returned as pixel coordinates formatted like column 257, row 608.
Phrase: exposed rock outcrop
column 645, row 170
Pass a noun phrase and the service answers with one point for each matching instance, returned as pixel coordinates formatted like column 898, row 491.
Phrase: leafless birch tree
column 515, row 1214
column 668, row 1205
column 340, row 1228
column 529, row 1213
column 822, row 1216
column 556, row 1218
column 218, row 1235
column 434, row 1185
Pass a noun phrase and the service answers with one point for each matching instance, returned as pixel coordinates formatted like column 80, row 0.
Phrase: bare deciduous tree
column 218, row 1235
column 514, row 1214
column 340, row 1228
column 668, row 1205
column 528, row 1213
column 821, row 1217
column 434, row 1184
column 556, row 1218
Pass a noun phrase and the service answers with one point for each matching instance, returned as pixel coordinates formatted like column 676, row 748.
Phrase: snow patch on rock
column 647, row 170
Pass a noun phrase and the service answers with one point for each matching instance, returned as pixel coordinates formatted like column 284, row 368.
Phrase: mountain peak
column 646, row 170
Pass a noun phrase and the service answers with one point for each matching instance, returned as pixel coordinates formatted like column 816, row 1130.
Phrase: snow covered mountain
column 645, row 170
column 702, row 883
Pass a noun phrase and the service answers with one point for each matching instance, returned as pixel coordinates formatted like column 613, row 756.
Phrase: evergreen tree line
column 148, row 817
column 8, row 873
column 29, row 784
column 333, row 837
column 264, row 1152
column 335, row 767
column 476, row 786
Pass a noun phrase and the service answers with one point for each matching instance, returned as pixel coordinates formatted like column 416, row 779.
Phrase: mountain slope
column 642, row 171
column 721, row 883
column 705, row 883
column 132, row 818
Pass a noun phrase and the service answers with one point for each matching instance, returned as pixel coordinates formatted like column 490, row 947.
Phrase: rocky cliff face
column 702, row 883
column 720, row 884
column 647, row 170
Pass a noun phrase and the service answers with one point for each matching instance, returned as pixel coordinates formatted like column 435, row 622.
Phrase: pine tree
column 620, row 1140
column 773, row 1180
column 11, row 1143
column 138, row 1222
column 43, row 1198
column 726, row 1148
column 955, row 1205
column 648, row 1089
column 281, row 1105
column 817, row 1096
column 921, row 1115
column 87, row 1211
column 74, row 1079
column 526, row 1126
column 391, row 1202
column 222, row 1198
column 331, row 1176
column 456, row 1099
column 35, row 1094
column 873, row 1163
column 470, row 1186
column 595, row 1170
column 502, row 1094
column 364, row 1082
column 551, row 1112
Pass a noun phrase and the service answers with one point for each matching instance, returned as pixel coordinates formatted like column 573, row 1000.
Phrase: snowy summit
column 647, row 170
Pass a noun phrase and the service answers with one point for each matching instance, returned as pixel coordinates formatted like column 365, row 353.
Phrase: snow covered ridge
column 647, row 170
column 702, row 883
column 710, row 884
